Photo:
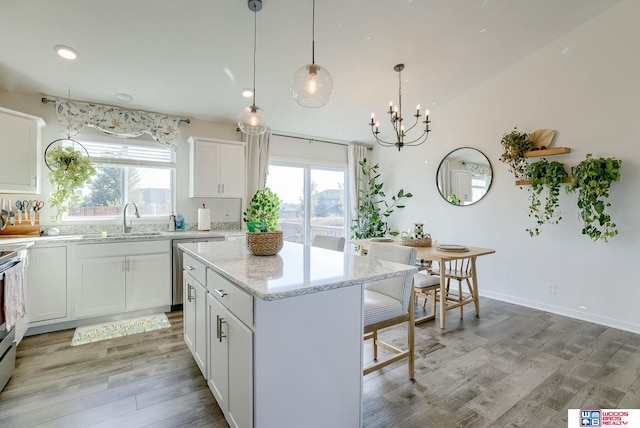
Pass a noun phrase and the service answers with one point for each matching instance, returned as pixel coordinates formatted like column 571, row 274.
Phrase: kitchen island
column 283, row 333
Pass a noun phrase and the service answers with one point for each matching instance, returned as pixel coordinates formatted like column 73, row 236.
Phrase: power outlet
column 551, row 288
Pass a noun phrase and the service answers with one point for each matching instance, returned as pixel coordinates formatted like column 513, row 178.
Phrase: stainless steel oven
column 9, row 257
column 176, row 303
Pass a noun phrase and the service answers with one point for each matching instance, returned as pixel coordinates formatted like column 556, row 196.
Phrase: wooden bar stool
column 426, row 286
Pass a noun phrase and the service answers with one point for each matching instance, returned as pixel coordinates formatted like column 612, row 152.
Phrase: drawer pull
column 189, row 267
column 221, row 293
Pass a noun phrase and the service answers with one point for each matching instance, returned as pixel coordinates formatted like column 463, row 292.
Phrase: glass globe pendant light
column 311, row 84
column 252, row 120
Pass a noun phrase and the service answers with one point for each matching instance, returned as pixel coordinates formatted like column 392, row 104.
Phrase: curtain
column 257, row 161
column 73, row 116
column 355, row 155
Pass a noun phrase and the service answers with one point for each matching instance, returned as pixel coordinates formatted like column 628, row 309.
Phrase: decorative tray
column 416, row 242
column 452, row 247
column 381, row 239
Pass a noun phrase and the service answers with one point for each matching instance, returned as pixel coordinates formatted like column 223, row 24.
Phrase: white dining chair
column 389, row 302
column 335, row 243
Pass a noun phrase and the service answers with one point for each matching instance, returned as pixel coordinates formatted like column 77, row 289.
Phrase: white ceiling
column 192, row 58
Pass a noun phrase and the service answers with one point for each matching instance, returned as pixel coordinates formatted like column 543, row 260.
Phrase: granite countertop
column 296, row 270
column 117, row 237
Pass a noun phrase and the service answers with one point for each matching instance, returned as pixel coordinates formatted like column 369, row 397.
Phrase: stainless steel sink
column 121, row 235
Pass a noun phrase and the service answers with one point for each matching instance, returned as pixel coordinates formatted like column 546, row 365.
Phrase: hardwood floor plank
column 510, row 367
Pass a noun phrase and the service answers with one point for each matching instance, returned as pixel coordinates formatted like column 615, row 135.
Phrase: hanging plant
column 592, row 179
column 544, row 175
column 69, row 171
column 371, row 216
column 515, row 145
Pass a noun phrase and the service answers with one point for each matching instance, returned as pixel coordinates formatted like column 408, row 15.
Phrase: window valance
column 73, row 116
column 478, row 169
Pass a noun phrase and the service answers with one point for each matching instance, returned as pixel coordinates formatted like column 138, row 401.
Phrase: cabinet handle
column 189, row 267
column 123, row 266
column 217, row 326
column 219, row 188
column 222, row 187
column 189, row 296
column 221, row 293
column 220, row 333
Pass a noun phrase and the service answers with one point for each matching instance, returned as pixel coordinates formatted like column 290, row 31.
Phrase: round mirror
column 464, row 176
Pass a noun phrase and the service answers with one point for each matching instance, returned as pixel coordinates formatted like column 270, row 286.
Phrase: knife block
column 23, row 229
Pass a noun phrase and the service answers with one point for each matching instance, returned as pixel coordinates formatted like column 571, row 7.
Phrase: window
column 138, row 171
column 312, row 199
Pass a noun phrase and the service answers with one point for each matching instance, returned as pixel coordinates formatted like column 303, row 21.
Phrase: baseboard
column 559, row 310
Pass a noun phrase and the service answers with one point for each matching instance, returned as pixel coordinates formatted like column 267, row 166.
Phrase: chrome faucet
column 125, row 228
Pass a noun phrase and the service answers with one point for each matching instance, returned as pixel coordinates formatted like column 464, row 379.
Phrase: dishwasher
column 176, row 301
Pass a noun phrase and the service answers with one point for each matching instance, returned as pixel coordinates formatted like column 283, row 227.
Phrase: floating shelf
column 547, row 152
column 528, row 182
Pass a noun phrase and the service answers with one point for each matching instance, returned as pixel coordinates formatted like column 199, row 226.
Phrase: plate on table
column 381, row 239
column 452, row 247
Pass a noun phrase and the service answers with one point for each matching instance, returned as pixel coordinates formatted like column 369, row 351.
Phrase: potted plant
column 69, row 171
column 592, row 179
column 515, row 145
column 373, row 210
column 263, row 209
column 544, row 175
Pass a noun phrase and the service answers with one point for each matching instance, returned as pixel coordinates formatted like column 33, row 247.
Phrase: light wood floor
column 511, row 367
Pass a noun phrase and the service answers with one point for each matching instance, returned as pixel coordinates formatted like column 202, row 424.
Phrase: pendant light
column 252, row 120
column 312, row 85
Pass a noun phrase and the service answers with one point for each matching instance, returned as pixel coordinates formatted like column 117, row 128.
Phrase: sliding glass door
column 313, row 200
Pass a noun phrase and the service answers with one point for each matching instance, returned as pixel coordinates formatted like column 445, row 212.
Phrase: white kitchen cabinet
column 101, row 289
column 195, row 319
column 46, row 275
column 216, row 168
column 21, row 148
column 144, row 274
column 230, row 353
column 119, row 277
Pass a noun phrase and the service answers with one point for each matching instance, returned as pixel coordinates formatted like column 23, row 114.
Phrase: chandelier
column 395, row 115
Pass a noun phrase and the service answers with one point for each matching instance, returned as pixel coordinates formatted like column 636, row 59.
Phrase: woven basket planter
column 264, row 243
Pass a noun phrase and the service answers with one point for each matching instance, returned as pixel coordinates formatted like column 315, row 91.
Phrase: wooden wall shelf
column 528, row 182
column 547, row 152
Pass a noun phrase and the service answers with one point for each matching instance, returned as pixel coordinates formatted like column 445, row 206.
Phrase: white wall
column 586, row 86
column 223, row 210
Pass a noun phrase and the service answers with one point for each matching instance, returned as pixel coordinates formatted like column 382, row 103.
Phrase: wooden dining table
column 432, row 253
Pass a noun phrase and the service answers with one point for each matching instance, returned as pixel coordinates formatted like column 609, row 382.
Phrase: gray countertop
column 141, row 236
column 296, row 270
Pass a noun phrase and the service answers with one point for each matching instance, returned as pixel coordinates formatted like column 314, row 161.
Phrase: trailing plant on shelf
column 592, row 179
column 373, row 210
column 515, row 145
column 544, row 175
column 69, row 171
column 264, row 207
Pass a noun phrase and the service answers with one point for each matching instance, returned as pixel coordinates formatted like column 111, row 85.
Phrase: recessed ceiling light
column 66, row 52
column 247, row 93
column 125, row 98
